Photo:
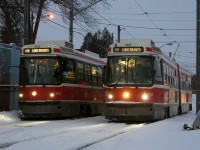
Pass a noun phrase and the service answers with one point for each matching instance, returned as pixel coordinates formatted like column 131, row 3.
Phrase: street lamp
column 47, row 17
column 35, row 25
column 50, row 16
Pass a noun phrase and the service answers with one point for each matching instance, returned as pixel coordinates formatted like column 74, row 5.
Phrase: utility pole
column 26, row 21
column 71, row 17
column 198, row 58
column 118, row 31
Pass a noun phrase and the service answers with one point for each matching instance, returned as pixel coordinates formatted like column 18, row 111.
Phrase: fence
column 9, row 76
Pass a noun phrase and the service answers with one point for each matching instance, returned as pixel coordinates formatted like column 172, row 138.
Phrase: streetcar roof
column 147, row 47
column 62, row 48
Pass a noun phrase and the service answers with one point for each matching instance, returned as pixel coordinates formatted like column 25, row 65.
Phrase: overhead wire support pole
column 198, row 58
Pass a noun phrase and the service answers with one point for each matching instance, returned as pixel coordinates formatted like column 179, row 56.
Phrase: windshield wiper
column 39, row 75
column 118, row 79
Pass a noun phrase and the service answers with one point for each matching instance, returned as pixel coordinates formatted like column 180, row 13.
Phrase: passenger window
column 87, row 73
column 80, row 72
column 94, row 75
column 100, row 75
column 157, row 69
column 68, row 71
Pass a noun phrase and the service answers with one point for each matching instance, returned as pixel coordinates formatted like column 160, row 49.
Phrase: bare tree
column 11, row 16
column 11, row 13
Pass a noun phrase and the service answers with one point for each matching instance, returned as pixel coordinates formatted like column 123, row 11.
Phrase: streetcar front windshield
column 40, row 71
column 135, row 70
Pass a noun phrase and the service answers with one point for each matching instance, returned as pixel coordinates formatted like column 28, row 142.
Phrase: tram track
column 103, row 130
column 104, row 139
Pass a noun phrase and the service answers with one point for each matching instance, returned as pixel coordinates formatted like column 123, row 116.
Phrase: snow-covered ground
column 97, row 133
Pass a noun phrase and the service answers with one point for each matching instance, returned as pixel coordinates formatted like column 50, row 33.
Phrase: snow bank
column 9, row 116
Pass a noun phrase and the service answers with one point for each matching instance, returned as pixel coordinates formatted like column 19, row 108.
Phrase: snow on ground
column 162, row 135
column 6, row 117
column 97, row 133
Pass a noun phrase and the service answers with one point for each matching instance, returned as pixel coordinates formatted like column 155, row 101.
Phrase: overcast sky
column 163, row 21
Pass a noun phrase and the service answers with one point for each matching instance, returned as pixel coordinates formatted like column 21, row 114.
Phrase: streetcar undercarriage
column 59, row 109
column 142, row 111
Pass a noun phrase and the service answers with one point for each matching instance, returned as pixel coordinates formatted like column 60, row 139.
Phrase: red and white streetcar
column 59, row 81
column 142, row 83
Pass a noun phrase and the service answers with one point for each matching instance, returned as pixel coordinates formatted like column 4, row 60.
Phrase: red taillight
column 56, row 50
column 148, row 49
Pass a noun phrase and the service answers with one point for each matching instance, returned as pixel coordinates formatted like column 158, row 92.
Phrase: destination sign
column 37, row 50
column 128, row 49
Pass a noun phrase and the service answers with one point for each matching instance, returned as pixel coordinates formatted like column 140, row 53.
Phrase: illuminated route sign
column 128, row 49
column 37, row 50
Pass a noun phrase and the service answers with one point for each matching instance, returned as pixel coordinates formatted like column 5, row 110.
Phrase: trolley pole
column 198, row 58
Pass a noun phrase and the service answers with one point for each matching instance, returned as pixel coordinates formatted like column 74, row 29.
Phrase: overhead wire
column 155, row 13
column 110, row 23
column 124, row 26
column 163, row 30
column 140, row 20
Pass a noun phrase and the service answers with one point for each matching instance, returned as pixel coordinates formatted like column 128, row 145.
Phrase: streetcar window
column 40, row 71
column 130, row 70
column 68, row 71
column 189, row 83
column 165, row 72
column 100, row 75
column 80, row 72
column 157, row 71
column 84, row 73
column 87, row 73
column 170, row 75
column 94, row 75
column 183, row 81
column 174, row 77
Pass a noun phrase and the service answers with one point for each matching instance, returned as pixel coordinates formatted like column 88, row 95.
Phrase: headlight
column 34, row 93
column 21, row 95
column 126, row 95
column 52, row 94
column 110, row 96
column 145, row 96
